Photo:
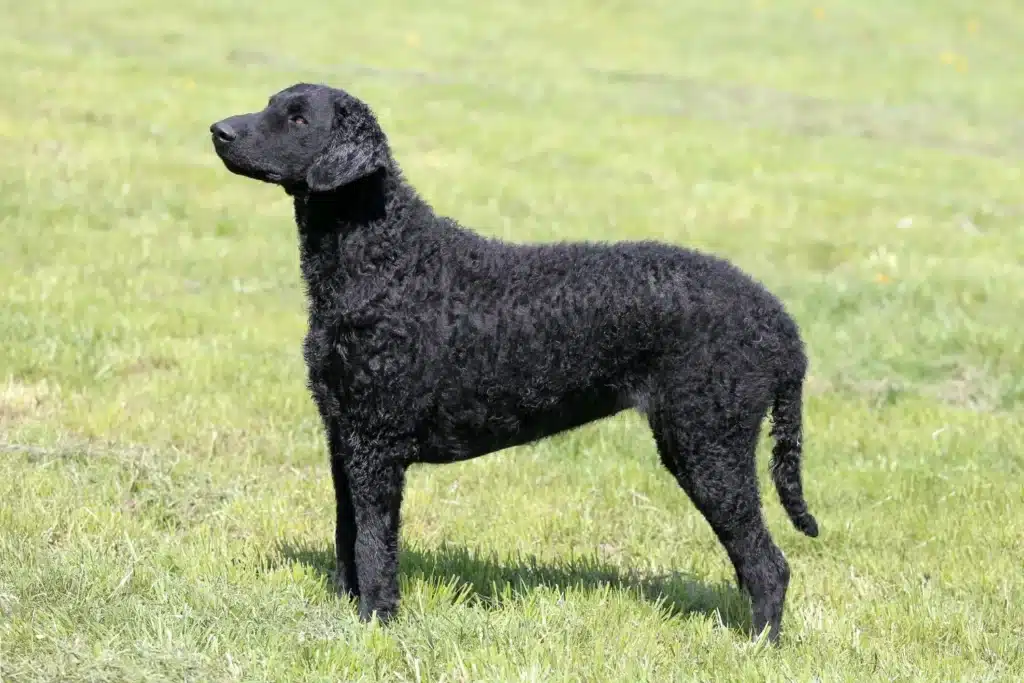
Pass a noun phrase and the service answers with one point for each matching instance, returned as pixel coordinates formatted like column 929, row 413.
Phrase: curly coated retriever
column 429, row 343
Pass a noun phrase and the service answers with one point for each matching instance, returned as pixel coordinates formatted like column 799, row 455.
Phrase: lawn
column 166, row 512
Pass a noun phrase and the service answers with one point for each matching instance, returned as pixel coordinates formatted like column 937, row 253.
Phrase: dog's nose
column 223, row 132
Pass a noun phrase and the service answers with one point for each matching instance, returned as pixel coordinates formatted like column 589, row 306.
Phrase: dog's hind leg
column 709, row 446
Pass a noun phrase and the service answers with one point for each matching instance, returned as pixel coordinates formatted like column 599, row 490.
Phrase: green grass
column 165, row 504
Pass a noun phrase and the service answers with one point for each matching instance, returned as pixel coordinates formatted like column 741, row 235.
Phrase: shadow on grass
column 493, row 583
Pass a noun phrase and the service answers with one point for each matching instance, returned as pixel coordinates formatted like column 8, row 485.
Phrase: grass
column 165, row 505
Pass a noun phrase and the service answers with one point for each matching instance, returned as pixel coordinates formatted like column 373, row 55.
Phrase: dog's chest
column 367, row 352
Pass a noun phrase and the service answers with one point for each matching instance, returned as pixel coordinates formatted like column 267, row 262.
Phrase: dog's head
column 309, row 137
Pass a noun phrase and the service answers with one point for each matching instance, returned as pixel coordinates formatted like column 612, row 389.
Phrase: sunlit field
column 166, row 510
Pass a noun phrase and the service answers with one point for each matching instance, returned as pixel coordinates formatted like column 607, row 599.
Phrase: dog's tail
column 787, row 430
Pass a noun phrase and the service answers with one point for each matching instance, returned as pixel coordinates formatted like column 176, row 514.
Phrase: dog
column 429, row 343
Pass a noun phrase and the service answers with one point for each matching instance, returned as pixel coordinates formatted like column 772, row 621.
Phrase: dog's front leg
column 345, row 578
column 375, row 482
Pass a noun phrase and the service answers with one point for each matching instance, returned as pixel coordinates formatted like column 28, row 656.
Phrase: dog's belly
column 458, row 437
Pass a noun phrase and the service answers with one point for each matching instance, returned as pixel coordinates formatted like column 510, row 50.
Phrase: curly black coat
column 429, row 343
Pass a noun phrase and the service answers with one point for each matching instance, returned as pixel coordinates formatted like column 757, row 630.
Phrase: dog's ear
column 357, row 148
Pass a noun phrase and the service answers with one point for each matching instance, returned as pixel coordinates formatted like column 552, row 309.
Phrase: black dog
column 429, row 343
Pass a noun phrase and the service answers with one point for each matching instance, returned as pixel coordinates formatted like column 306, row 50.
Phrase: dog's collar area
column 297, row 191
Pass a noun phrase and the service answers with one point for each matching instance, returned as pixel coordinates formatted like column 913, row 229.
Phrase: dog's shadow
column 492, row 583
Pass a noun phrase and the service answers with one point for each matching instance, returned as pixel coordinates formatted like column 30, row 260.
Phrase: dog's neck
column 357, row 231
column 357, row 206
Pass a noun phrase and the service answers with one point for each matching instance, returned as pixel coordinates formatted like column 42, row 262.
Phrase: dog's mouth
column 266, row 175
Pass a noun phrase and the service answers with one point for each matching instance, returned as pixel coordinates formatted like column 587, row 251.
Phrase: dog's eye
column 298, row 120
